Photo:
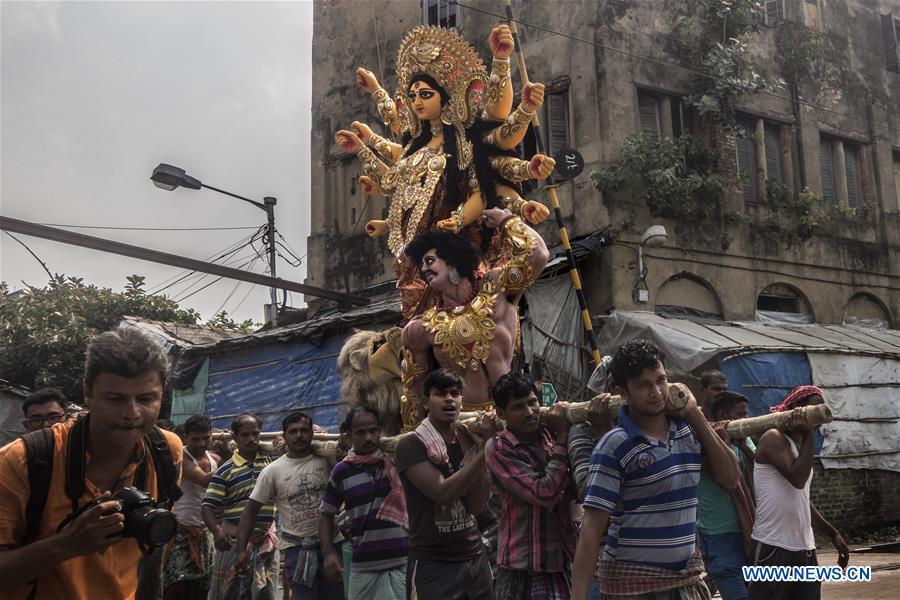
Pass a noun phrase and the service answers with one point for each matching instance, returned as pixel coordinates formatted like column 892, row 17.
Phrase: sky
column 93, row 95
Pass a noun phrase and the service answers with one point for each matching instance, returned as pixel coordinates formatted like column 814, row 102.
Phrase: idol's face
column 425, row 101
column 435, row 271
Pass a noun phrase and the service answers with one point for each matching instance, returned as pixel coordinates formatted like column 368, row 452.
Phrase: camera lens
column 161, row 527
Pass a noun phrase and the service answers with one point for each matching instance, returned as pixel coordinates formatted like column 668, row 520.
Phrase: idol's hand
column 492, row 217
column 535, row 212
column 348, row 141
column 368, row 186
column 376, row 228
column 450, row 225
column 366, row 80
column 363, row 131
column 541, row 166
column 532, row 96
column 501, row 41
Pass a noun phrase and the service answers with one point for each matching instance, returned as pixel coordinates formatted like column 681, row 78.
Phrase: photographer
column 62, row 530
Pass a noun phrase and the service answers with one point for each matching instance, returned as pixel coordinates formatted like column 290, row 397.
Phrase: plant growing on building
column 677, row 178
column 714, row 43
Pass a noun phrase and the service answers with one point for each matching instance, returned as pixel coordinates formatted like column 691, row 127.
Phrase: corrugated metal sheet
column 274, row 379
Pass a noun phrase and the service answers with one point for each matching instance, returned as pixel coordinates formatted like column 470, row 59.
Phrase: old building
column 808, row 227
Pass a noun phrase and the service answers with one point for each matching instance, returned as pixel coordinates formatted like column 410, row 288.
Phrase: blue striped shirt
column 649, row 488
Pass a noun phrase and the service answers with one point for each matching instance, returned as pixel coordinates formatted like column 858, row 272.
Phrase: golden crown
column 452, row 61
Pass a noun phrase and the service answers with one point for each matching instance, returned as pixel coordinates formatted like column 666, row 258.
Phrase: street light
column 168, row 177
column 653, row 236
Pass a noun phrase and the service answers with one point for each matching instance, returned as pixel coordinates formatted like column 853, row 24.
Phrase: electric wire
column 146, row 228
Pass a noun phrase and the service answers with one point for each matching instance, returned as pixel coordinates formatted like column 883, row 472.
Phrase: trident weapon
column 550, row 187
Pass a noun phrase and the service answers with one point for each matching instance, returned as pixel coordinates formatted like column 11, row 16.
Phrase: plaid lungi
column 621, row 578
column 523, row 585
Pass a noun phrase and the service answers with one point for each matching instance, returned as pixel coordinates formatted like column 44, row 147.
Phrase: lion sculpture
column 369, row 367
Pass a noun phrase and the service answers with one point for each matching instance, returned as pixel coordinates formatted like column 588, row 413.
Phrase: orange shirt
column 112, row 574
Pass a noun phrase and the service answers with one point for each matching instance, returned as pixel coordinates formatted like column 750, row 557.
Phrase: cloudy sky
column 96, row 94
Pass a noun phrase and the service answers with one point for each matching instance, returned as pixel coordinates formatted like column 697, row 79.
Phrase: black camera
column 149, row 525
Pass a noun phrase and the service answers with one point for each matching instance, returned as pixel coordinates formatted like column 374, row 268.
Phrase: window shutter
column 774, row 11
column 648, row 112
column 826, row 159
column 851, row 165
column 773, row 152
column 557, row 122
column 891, row 44
column 746, row 155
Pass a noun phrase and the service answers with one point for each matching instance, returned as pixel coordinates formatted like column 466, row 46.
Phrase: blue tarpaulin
column 766, row 378
column 271, row 380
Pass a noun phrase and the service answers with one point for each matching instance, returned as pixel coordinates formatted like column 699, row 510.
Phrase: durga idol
column 456, row 156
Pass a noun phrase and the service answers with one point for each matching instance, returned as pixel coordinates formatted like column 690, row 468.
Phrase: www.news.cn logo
column 807, row 573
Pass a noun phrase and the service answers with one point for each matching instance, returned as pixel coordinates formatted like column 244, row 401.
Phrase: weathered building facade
column 616, row 72
column 808, row 229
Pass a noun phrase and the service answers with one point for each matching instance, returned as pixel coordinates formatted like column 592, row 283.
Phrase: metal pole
column 273, row 292
column 550, row 187
column 174, row 260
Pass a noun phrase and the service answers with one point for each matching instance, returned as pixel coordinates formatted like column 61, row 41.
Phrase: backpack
column 39, row 446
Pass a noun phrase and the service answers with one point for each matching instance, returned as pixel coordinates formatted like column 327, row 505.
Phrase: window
column 773, row 152
column 782, row 303
column 851, row 165
column 444, row 13
column 890, row 35
column 745, row 144
column 660, row 114
column 841, row 179
column 773, row 11
column 648, row 114
column 826, row 159
column 557, row 119
column 749, row 161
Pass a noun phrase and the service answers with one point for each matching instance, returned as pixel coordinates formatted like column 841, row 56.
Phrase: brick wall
column 725, row 142
column 856, row 498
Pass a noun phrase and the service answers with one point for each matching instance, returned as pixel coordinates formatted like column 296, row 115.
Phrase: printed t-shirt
column 377, row 544
column 436, row 532
column 112, row 574
column 296, row 485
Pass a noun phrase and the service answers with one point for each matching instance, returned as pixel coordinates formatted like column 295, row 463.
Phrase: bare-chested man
column 472, row 328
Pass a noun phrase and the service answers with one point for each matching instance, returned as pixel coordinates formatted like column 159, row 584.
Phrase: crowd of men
column 638, row 504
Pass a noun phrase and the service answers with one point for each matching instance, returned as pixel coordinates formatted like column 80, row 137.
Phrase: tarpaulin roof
column 688, row 344
column 858, row 369
column 272, row 380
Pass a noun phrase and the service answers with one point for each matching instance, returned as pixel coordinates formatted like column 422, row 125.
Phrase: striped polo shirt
column 377, row 544
column 230, row 489
column 649, row 488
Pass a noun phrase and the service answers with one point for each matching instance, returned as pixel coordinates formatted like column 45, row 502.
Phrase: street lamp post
column 168, row 177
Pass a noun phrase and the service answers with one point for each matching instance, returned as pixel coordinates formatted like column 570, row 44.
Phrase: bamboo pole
column 550, row 187
column 327, row 444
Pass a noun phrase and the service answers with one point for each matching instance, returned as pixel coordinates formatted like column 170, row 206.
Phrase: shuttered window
column 746, row 162
column 443, row 13
column 774, row 11
column 826, row 158
column 851, row 165
column 890, row 35
column 557, row 123
column 648, row 113
column 773, row 152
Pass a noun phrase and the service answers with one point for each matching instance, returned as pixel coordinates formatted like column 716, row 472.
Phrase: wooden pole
column 550, row 188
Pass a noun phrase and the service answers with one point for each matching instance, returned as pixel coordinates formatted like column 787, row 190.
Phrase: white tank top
column 187, row 509
column 782, row 511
